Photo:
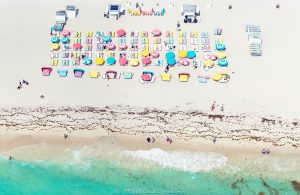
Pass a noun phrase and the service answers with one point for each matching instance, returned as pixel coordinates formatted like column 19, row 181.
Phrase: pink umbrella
column 154, row 54
column 122, row 46
column 121, row 32
column 111, row 46
column 156, row 32
column 123, row 61
column 212, row 56
column 146, row 60
column 77, row 45
column 65, row 33
column 184, row 62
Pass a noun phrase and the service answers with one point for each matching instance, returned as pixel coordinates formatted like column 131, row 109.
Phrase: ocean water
column 137, row 172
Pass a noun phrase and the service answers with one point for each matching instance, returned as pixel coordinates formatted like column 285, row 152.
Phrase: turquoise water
column 115, row 177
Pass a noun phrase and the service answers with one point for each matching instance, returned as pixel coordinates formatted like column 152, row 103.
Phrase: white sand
column 260, row 85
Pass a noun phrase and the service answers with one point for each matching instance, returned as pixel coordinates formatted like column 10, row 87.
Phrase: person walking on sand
column 214, row 140
column 222, row 108
column 213, row 106
column 153, row 140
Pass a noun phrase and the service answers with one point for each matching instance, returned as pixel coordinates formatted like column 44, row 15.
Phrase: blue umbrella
column 87, row 61
column 65, row 40
column 223, row 62
column 54, row 39
column 170, row 54
column 111, row 60
column 171, row 61
column 191, row 54
column 220, row 46
column 106, row 38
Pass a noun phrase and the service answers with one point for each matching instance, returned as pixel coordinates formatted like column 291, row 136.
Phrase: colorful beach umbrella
column 54, row 39
column 65, row 40
column 191, row 54
column 154, row 54
column 223, row 62
column 133, row 62
column 122, row 46
column 182, row 54
column 171, row 61
column 110, row 46
column 221, row 55
column 208, row 63
column 65, row 33
column 87, row 61
column 106, row 39
column 121, row 32
column 170, row 54
column 76, row 45
column 184, row 62
column 156, row 32
column 220, row 47
column 146, row 60
column 123, row 61
column 145, row 53
column 99, row 61
column 54, row 46
column 212, row 56
column 111, row 60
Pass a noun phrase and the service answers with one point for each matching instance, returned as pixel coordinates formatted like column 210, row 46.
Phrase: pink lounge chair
column 46, row 71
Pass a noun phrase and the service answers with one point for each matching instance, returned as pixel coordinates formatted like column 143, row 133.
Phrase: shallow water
column 125, row 173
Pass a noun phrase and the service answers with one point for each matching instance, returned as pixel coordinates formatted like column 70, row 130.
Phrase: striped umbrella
column 184, row 62
column 54, row 39
column 54, row 46
column 220, row 47
column 65, row 33
column 87, row 61
column 154, row 54
column 110, row 46
column 134, row 62
column 223, row 62
column 122, row 46
column 121, row 32
column 156, row 32
column 65, row 40
column 145, row 53
column 106, row 39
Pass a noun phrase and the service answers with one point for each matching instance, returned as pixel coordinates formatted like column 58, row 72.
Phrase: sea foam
column 182, row 160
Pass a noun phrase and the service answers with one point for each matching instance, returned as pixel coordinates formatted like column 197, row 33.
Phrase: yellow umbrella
column 221, row 55
column 182, row 54
column 217, row 76
column 54, row 46
column 145, row 53
column 99, row 61
column 208, row 63
column 134, row 62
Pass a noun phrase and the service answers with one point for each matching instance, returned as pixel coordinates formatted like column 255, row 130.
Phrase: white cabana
column 61, row 17
column 113, row 11
column 71, row 11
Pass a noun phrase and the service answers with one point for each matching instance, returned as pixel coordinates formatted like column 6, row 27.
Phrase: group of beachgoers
column 214, row 105
column 265, row 151
column 22, row 83
column 152, row 139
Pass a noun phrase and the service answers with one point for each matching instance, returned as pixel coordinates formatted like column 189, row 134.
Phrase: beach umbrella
column 182, row 54
column 65, row 40
column 156, row 32
column 76, row 45
column 121, row 32
column 209, row 63
column 65, row 33
column 184, row 62
column 170, row 54
column 220, row 47
column 54, row 39
column 146, row 60
column 110, row 46
column 171, row 61
column 154, row 54
column 191, row 54
column 223, row 62
column 99, row 61
column 54, row 46
column 212, row 56
column 111, row 60
column 87, row 61
column 122, row 46
column 145, row 53
column 123, row 61
column 221, row 55
column 134, row 62
column 106, row 39
column 217, row 77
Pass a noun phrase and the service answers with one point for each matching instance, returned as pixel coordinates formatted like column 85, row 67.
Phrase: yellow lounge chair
column 94, row 74
column 165, row 76
column 184, row 77
column 180, row 40
column 136, row 54
column 180, row 34
column 220, row 40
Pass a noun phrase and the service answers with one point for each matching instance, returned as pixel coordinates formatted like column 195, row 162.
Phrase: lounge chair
column 94, row 74
column 46, row 71
column 165, row 76
column 62, row 73
column 184, row 77
column 78, row 72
